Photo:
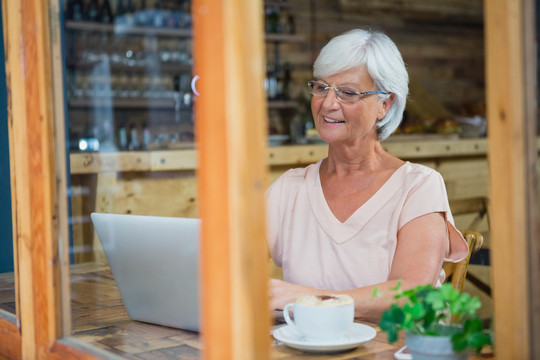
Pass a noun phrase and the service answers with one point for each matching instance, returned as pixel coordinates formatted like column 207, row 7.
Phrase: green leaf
column 436, row 300
column 459, row 342
column 391, row 318
column 478, row 340
column 397, row 287
column 473, row 325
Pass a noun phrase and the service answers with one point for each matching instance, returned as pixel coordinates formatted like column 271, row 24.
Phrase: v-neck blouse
column 316, row 249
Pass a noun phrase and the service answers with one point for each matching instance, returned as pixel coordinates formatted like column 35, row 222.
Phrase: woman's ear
column 385, row 106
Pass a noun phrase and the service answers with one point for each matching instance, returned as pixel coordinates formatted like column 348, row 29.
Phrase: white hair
column 383, row 61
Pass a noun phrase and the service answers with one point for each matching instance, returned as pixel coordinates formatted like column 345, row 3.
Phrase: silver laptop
column 154, row 261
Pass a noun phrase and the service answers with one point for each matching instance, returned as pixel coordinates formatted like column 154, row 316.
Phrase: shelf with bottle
column 138, row 63
column 154, row 103
column 129, row 15
column 168, row 32
column 123, row 29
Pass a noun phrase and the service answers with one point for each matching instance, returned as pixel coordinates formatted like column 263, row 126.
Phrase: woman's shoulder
column 294, row 177
column 415, row 176
column 419, row 170
column 299, row 174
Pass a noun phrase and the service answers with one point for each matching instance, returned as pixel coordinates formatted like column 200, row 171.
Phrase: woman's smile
column 332, row 121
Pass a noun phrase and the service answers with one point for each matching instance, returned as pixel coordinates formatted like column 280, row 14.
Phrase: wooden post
column 31, row 130
column 511, row 114
column 231, row 138
column 38, row 181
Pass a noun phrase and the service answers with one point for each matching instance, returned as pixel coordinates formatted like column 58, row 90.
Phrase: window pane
column 7, row 287
column 128, row 76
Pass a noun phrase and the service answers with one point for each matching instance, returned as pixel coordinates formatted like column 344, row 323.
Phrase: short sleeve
column 428, row 195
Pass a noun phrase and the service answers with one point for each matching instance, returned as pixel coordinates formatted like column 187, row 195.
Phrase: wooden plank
column 405, row 147
column 32, row 171
column 10, row 337
column 436, row 148
column 105, row 193
column 229, row 57
column 31, row 100
column 465, row 178
column 60, row 272
column 515, row 308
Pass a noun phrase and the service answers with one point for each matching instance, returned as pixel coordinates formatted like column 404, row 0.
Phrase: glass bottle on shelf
column 272, row 19
column 75, row 10
column 134, row 143
column 105, row 12
column 286, row 91
column 92, row 11
column 146, row 137
column 124, row 13
column 271, row 83
column 122, row 138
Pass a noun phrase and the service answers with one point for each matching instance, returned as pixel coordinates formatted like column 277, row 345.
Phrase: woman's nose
column 331, row 99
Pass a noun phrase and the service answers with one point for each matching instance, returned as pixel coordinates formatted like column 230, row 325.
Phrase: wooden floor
column 7, row 293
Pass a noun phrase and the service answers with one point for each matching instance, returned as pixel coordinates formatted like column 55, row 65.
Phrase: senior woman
column 360, row 218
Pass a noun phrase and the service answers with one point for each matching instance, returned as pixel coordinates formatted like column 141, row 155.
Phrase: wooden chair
column 456, row 272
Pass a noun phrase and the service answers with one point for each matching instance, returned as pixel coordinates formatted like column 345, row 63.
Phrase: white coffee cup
column 321, row 317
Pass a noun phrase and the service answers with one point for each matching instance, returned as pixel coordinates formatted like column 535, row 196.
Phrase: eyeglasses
column 343, row 93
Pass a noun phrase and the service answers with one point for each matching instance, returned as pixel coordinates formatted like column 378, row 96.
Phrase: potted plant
column 435, row 320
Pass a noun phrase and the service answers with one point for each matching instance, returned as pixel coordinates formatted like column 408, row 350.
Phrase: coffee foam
column 324, row 300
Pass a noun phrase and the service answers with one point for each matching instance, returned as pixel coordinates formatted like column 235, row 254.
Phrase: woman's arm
column 421, row 247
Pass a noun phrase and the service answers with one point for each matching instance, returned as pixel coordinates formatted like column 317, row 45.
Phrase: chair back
column 456, row 272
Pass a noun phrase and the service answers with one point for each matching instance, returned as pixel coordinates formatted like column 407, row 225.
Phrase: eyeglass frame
column 360, row 94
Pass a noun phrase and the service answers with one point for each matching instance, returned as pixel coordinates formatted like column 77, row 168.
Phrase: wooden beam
column 31, row 152
column 511, row 79
column 37, row 172
column 231, row 128
column 10, row 338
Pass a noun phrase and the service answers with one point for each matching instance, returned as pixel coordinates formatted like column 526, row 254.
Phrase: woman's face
column 349, row 123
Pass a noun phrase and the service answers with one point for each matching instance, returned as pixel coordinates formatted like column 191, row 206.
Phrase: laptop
column 155, row 263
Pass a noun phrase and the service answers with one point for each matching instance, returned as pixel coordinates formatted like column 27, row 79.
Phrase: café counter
column 163, row 183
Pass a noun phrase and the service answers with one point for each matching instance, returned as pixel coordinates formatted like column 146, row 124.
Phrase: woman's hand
column 282, row 293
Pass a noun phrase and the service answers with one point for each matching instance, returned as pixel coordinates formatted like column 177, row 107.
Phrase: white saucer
column 359, row 334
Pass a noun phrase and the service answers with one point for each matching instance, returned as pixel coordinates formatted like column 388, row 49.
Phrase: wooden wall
column 442, row 42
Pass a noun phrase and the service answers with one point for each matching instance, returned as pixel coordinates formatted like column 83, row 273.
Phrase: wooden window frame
column 511, row 78
column 231, row 123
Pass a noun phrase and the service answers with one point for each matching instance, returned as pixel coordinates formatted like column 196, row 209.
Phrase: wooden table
column 99, row 318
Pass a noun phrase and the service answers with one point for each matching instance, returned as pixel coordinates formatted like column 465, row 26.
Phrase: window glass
column 7, row 285
column 130, row 94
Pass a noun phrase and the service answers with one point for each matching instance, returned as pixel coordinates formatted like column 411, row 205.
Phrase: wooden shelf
column 125, row 103
column 168, row 160
column 127, row 30
column 282, row 104
column 163, row 67
column 160, row 103
column 284, row 38
column 281, row 4
column 155, row 31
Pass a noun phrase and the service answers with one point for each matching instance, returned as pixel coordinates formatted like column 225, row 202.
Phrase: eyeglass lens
column 344, row 93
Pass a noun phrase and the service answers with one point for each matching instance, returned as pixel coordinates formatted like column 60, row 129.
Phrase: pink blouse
column 315, row 249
